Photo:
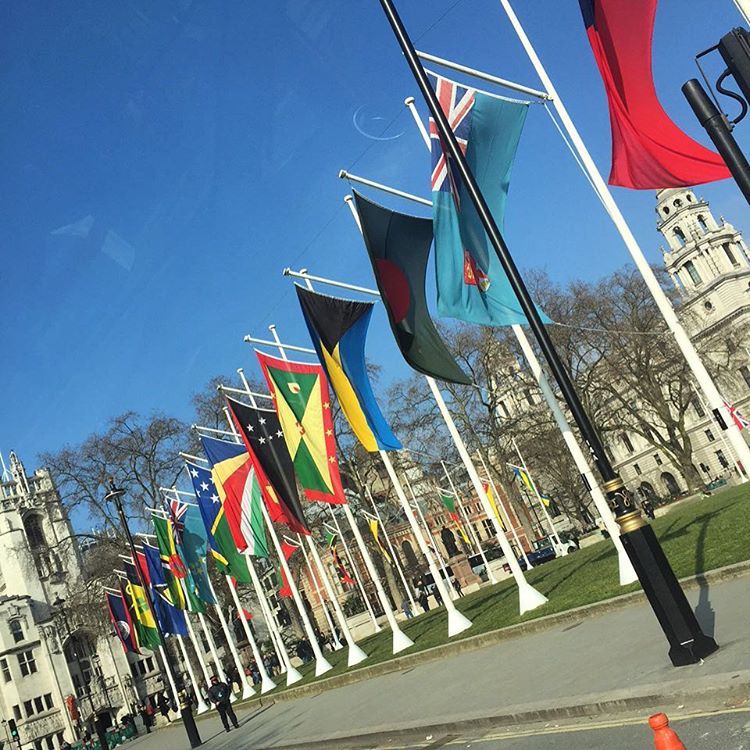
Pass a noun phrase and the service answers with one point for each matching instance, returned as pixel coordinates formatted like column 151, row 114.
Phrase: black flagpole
column 688, row 643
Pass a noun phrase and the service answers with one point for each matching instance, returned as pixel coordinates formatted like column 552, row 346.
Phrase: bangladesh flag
column 303, row 405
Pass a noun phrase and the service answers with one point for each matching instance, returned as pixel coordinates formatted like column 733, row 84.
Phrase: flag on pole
column 399, row 247
column 338, row 328
column 375, row 531
column 525, row 479
column 649, row 151
column 450, row 505
column 303, row 406
column 219, row 536
column 171, row 619
column 493, row 504
column 237, row 482
column 471, row 282
column 148, row 635
column 195, row 547
column 127, row 599
column 343, row 574
column 287, row 549
column 736, row 416
column 120, row 619
column 165, row 537
column 264, row 440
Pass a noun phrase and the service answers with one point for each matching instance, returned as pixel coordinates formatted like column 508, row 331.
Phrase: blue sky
column 162, row 162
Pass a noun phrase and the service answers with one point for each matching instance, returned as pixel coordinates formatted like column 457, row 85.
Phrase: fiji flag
column 471, row 282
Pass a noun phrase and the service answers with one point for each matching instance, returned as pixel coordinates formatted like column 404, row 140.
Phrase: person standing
column 406, row 608
column 457, row 586
column 424, row 602
column 164, row 706
column 220, row 695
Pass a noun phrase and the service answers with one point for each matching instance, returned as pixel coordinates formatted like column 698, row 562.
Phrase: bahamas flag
column 338, row 328
column 471, row 282
column 195, row 548
column 145, row 625
column 219, row 536
column 303, row 405
column 235, row 478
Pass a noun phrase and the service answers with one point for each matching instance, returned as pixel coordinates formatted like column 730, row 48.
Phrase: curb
column 492, row 637
column 478, row 725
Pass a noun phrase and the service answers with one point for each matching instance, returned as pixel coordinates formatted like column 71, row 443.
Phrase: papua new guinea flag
column 648, row 150
column 303, row 405
column 399, row 247
column 264, row 440
column 471, row 282
column 338, row 329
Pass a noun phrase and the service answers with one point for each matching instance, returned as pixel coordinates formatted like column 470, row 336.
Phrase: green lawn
column 699, row 535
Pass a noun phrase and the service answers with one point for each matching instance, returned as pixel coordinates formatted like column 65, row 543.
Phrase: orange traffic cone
column 665, row 738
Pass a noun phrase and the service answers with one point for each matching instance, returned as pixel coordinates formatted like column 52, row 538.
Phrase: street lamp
column 114, row 495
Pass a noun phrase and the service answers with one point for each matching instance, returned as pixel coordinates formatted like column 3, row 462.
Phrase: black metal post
column 718, row 131
column 114, row 496
column 688, row 644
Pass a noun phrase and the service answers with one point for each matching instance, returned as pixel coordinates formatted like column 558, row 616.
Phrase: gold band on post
column 631, row 521
column 613, row 485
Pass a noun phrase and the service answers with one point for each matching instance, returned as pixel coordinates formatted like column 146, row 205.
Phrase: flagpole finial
column 343, row 174
column 272, row 326
column 348, row 199
column 286, row 271
column 409, row 101
column 240, row 370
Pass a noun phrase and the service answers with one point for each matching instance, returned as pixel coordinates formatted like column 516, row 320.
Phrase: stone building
column 57, row 674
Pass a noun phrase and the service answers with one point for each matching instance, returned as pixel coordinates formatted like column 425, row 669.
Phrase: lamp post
column 114, row 495
column 687, row 642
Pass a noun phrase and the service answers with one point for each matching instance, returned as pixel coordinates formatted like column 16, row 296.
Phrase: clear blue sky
column 162, row 162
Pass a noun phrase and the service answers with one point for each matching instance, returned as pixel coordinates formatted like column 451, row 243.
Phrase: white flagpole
column 247, row 688
column 694, row 362
column 337, row 645
column 438, row 554
column 490, row 574
column 202, row 707
column 400, row 640
column 625, row 567
column 199, row 655
column 292, row 675
column 356, row 654
column 743, row 6
column 355, row 572
column 322, row 665
column 266, row 683
column 457, row 622
column 506, row 519
column 391, row 549
column 170, row 676
column 212, row 647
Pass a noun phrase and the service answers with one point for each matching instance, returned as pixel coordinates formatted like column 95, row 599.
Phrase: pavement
column 612, row 664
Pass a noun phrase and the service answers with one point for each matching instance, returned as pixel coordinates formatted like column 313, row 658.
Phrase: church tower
column 708, row 261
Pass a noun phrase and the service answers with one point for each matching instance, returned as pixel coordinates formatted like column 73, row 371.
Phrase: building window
column 680, row 236
column 722, row 459
column 489, row 528
column 730, row 255
column 150, row 663
column 17, row 712
column 709, row 436
column 503, row 409
column 39, row 704
column 529, row 397
column 657, row 459
column 26, row 662
column 698, row 407
column 677, row 203
column 745, row 372
column 5, row 668
column 702, row 224
column 28, row 707
column 666, row 210
column 693, row 272
column 48, row 700
column 637, row 469
column 16, row 630
column 626, row 442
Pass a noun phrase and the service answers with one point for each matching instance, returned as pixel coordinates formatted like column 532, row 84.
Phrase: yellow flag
column 491, row 498
column 374, row 530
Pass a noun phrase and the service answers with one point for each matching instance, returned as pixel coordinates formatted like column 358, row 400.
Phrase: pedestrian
column 275, row 666
column 438, row 598
column 220, row 695
column 406, row 608
column 424, row 602
column 457, row 586
column 648, row 508
column 164, row 706
column 145, row 718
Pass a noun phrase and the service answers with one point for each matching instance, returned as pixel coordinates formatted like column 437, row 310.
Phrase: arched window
column 680, row 236
column 702, row 224
column 730, row 255
column 693, row 272
column 677, row 203
column 16, row 630
column 34, row 533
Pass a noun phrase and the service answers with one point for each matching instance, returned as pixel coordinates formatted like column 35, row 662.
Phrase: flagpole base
column 529, row 598
column 233, row 698
column 322, row 665
column 356, row 655
column 625, row 567
column 337, row 646
column 247, row 691
column 292, row 676
column 266, row 685
column 202, row 708
column 401, row 641
column 457, row 622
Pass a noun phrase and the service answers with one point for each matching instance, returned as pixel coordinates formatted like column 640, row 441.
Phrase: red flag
column 288, row 550
column 648, row 150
